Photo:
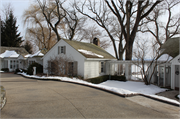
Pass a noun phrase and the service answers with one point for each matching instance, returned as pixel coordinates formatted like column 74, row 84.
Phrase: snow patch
column 8, row 53
column 35, row 54
column 1, row 71
column 27, row 55
column 165, row 57
column 90, row 53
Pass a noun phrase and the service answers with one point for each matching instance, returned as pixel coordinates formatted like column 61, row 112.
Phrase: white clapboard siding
column 91, row 69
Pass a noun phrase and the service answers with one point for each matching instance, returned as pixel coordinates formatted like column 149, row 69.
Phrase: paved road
column 29, row 98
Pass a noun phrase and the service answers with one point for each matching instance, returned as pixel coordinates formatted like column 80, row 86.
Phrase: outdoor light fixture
column 167, row 70
column 179, row 60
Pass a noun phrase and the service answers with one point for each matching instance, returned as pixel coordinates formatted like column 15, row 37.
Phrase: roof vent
column 96, row 41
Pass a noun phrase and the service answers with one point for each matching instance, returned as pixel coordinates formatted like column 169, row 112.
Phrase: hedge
column 101, row 79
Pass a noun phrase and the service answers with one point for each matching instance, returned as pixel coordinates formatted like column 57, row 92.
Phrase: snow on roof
column 90, row 53
column 165, row 57
column 8, row 53
column 35, row 54
column 27, row 55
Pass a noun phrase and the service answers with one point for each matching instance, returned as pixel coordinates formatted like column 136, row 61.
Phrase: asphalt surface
column 31, row 98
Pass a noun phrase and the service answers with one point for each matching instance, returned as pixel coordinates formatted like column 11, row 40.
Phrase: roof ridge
column 89, row 47
column 85, row 43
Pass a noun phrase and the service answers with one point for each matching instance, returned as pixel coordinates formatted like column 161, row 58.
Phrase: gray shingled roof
column 171, row 46
column 90, row 47
column 19, row 50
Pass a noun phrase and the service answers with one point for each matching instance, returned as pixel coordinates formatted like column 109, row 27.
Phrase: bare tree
column 28, row 46
column 54, row 13
column 43, row 38
column 41, row 32
column 129, row 14
column 7, row 8
column 141, row 54
column 100, row 14
column 62, row 66
column 73, row 24
column 162, row 30
column 147, row 67
column 105, row 44
column 91, row 32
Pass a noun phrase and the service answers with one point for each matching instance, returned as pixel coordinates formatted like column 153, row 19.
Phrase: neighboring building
column 167, row 74
column 10, row 57
column 36, row 57
column 87, row 60
column 18, row 58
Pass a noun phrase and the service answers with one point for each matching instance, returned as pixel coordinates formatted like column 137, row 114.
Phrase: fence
column 131, row 69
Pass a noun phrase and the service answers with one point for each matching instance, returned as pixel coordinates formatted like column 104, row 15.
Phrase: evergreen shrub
column 39, row 68
column 16, row 71
column 5, row 69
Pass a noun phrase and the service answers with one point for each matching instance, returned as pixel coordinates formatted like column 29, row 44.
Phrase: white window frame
column 61, row 49
column 102, row 67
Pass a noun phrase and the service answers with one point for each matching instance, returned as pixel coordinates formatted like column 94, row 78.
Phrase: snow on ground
column 1, row 71
column 89, row 53
column 138, row 87
column 127, row 88
column 136, row 77
column 8, row 53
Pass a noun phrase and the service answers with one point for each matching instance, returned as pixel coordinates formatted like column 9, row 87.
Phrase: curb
column 3, row 97
column 160, row 100
column 115, row 93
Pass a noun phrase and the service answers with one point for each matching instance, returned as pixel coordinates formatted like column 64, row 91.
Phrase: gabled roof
column 18, row 50
column 171, row 46
column 89, row 50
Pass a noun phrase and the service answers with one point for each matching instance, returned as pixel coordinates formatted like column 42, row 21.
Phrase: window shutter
column 66, row 68
column 75, row 68
column 49, row 67
column 99, row 67
column 64, row 49
column 59, row 48
column 104, row 67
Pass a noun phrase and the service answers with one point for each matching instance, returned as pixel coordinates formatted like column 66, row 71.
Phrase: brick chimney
column 96, row 41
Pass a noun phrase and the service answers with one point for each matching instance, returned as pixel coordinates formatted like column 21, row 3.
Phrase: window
column 72, row 68
column 102, row 67
column 30, row 62
column 11, row 64
column 61, row 49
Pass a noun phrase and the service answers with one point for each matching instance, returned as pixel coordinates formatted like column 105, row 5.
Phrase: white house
column 89, row 60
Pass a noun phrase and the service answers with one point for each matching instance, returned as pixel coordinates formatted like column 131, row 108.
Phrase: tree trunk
column 129, row 47
column 121, row 51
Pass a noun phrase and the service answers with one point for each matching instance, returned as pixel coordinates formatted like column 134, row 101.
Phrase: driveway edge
column 3, row 97
column 118, row 94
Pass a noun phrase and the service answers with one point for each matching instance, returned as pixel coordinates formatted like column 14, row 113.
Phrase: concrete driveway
column 30, row 98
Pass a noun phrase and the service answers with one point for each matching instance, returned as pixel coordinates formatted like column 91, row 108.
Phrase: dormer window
column 61, row 49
